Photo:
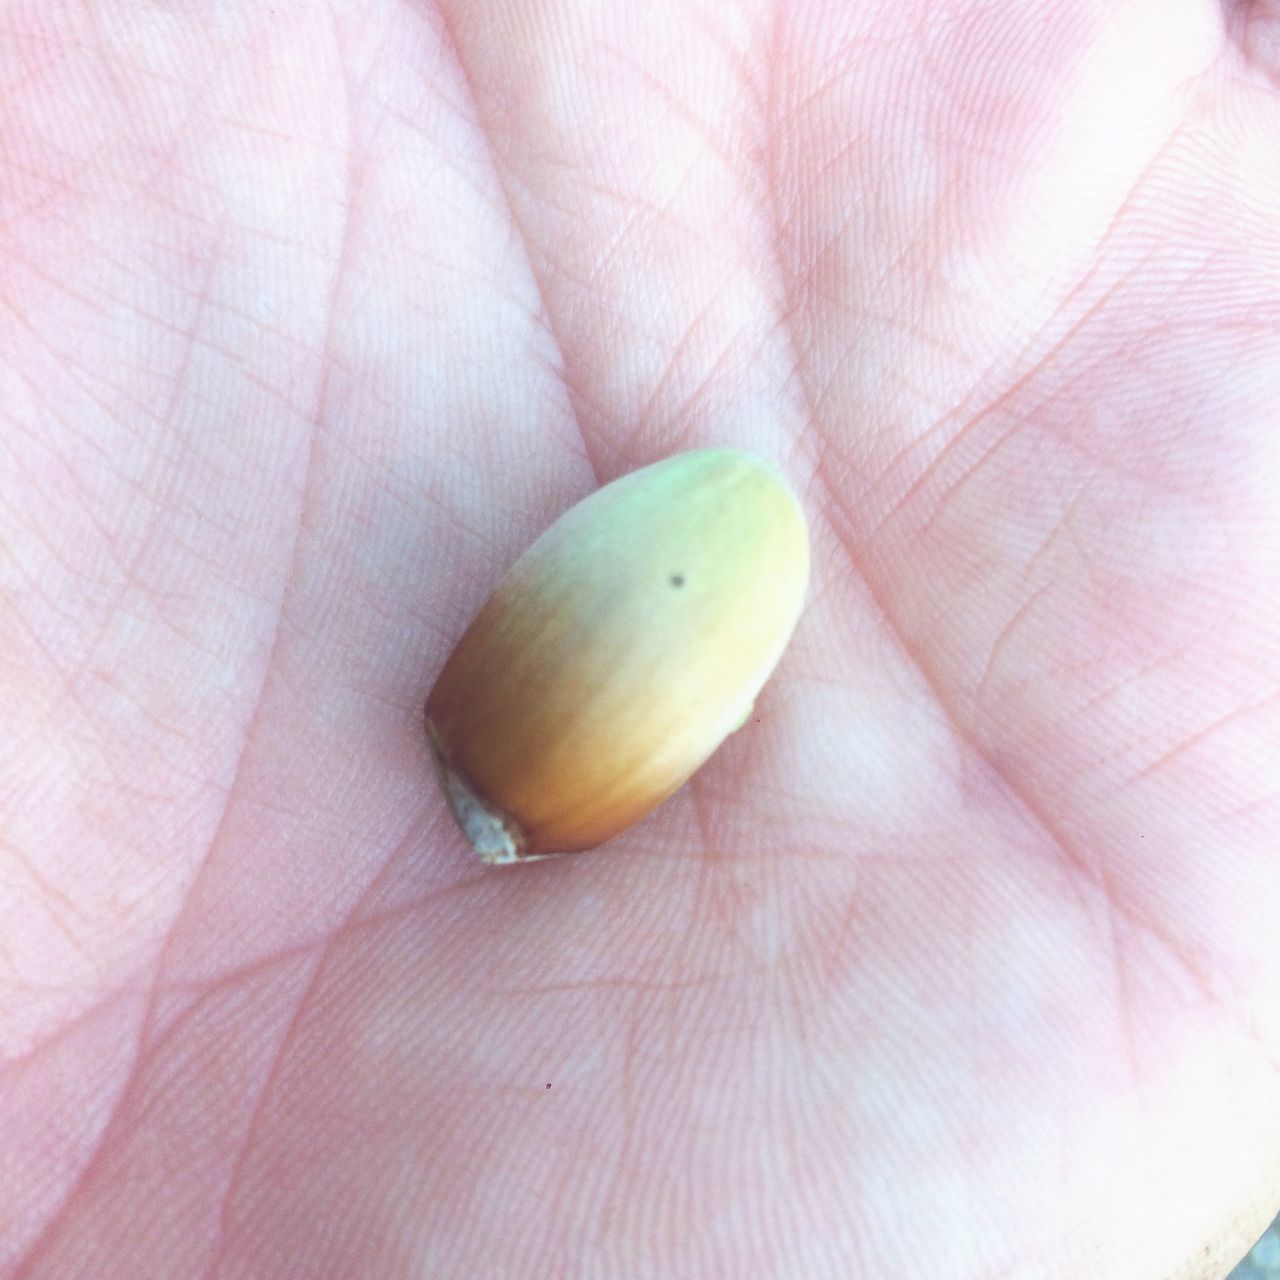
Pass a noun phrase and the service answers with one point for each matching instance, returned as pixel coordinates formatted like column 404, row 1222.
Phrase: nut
column 619, row 651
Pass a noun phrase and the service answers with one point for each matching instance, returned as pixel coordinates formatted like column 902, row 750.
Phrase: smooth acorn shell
column 620, row 650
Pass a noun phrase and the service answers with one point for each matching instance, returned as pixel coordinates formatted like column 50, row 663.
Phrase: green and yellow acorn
column 619, row 651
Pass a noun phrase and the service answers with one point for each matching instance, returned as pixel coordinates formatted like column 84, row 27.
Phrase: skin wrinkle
column 646, row 413
column 972, row 423
column 128, row 567
column 1134, row 677
column 71, row 695
column 617, row 984
column 206, row 992
column 411, row 503
column 47, row 1237
column 855, row 142
column 1119, row 465
column 206, row 303
column 57, row 193
column 1031, row 809
column 352, row 922
column 963, row 413
column 1189, row 744
column 1033, row 812
column 55, row 896
column 672, row 103
column 885, row 323
column 66, row 367
column 1122, row 984
column 638, row 210
column 789, row 115
column 15, row 1065
column 1249, row 807
column 87, row 574
column 614, row 1193
column 49, row 1234
column 545, row 319
column 353, row 926
column 270, row 1080
column 1006, row 634
column 626, row 1157
column 686, row 417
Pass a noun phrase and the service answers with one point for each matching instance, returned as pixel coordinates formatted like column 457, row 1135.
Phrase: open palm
column 313, row 316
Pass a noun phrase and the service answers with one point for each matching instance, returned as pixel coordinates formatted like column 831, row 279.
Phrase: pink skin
column 311, row 317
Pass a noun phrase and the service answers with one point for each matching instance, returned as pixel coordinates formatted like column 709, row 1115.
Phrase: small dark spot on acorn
column 677, row 579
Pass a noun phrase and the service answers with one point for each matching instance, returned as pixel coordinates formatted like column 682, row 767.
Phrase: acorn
column 618, row 653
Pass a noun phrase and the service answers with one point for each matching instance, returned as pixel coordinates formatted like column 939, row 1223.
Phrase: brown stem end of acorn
column 493, row 835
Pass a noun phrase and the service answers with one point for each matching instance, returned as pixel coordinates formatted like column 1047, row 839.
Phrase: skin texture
column 313, row 316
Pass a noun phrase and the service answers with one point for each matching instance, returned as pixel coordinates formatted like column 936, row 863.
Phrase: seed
column 619, row 651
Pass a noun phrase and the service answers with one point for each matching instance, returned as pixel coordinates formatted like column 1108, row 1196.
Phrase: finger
column 630, row 153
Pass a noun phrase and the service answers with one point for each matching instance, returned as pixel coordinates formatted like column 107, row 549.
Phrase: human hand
column 960, row 959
